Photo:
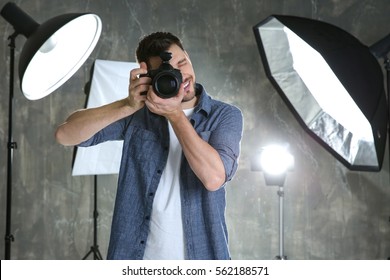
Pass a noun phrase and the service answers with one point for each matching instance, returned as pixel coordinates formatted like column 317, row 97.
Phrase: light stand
column 95, row 247
column 11, row 145
column 281, row 256
column 387, row 68
column 41, row 70
column 274, row 161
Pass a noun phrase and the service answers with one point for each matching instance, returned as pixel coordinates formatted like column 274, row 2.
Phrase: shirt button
column 151, row 194
column 142, row 242
column 159, row 171
column 147, row 217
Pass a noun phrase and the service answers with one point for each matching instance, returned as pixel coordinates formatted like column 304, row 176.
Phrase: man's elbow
column 215, row 183
column 61, row 137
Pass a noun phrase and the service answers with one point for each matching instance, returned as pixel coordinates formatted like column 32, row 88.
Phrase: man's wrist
column 175, row 116
column 127, row 107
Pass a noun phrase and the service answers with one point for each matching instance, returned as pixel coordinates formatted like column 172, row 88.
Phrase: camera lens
column 166, row 85
column 166, row 80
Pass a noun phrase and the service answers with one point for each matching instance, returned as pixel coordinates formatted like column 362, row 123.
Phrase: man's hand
column 138, row 86
column 165, row 106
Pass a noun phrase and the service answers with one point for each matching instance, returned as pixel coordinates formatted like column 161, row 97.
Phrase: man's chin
column 188, row 96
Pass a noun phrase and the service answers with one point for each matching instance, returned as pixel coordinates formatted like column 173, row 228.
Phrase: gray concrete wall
column 331, row 212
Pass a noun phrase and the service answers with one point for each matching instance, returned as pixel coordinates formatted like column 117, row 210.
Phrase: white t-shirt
column 166, row 237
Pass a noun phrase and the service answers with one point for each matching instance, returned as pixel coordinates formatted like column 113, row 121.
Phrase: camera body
column 166, row 80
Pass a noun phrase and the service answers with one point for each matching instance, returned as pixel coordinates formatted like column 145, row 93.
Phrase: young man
column 178, row 153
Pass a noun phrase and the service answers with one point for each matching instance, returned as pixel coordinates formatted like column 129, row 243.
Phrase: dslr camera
column 166, row 80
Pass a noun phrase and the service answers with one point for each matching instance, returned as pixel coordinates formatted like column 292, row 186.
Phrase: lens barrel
column 166, row 84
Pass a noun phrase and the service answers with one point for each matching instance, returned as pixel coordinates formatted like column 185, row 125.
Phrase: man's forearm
column 83, row 124
column 203, row 159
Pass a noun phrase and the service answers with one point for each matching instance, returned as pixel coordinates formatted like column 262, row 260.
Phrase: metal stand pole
column 387, row 68
column 11, row 145
column 281, row 225
column 94, row 247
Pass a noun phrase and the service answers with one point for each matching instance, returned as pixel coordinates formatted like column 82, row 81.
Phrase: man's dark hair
column 154, row 44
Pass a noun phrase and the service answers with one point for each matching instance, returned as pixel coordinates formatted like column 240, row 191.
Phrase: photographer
column 178, row 153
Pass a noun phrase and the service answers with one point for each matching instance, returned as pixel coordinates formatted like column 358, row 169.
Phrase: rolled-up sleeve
column 111, row 132
column 226, row 139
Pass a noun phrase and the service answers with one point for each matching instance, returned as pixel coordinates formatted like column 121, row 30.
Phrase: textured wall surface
column 331, row 212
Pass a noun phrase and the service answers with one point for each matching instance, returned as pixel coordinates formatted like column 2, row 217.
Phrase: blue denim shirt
column 145, row 153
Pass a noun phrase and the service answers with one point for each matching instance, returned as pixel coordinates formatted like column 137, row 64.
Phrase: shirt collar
column 204, row 104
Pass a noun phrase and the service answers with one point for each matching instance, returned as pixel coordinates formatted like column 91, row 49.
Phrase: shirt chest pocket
column 144, row 144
